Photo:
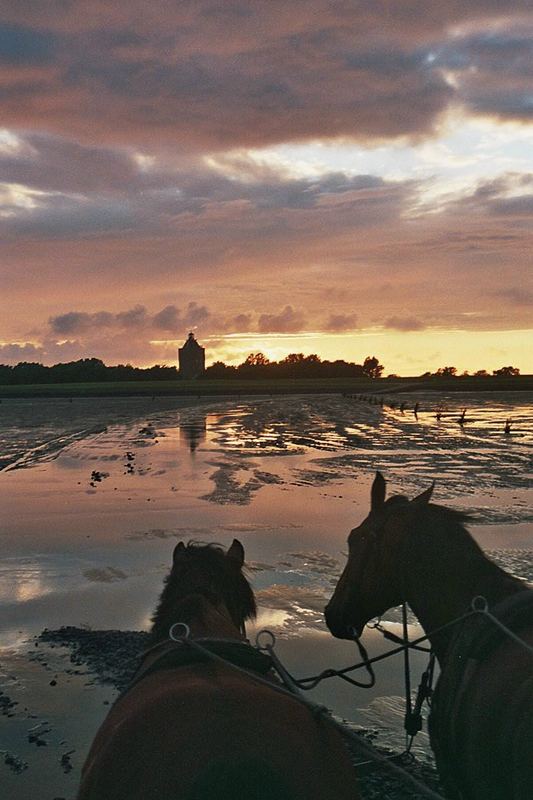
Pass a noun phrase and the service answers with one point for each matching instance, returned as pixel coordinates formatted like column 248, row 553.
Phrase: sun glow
column 403, row 353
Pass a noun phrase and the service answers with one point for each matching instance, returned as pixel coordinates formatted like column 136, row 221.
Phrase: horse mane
column 432, row 520
column 446, row 537
column 202, row 572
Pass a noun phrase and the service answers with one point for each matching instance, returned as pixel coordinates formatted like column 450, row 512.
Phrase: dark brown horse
column 481, row 723
column 190, row 728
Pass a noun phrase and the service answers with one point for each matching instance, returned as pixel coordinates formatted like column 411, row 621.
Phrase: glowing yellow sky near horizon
column 409, row 353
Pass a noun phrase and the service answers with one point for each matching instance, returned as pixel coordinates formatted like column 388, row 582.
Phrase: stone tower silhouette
column 191, row 358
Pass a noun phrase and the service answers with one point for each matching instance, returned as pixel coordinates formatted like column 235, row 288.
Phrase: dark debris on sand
column 113, row 656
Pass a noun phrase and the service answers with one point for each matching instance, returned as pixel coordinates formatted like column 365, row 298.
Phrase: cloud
column 133, row 318
column 492, row 71
column 404, row 324
column 509, row 195
column 64, row 217
column 12, row 353
column 209, row 76
column 287, row 321
column 53, row 163
column 75, row 322
column 168, row 319
column 58, row 189
column 240, row 323
column 172, row 320
column 23, row 45
column 195, row 314
column 341, row 322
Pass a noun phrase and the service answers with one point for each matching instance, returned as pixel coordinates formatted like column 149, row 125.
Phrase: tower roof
column 191, row 342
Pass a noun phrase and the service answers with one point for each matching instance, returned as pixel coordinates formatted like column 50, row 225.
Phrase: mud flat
column 95, row 495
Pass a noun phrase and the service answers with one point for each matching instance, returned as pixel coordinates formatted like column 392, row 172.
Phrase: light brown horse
column 192, row 729
column 481, row 723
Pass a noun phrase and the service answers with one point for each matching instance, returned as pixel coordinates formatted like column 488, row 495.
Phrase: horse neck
column 440, row 586
column 214, row 622
column 203, row 618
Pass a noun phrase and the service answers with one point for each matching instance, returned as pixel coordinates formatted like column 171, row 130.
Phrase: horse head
column 204, row 577
column 371, row 581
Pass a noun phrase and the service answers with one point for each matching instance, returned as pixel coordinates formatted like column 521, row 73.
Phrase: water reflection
column 193, row 430
column 22, row 580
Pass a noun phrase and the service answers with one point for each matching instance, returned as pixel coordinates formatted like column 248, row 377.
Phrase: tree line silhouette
column 255, row 367
column 86, row 370
column 295, row 365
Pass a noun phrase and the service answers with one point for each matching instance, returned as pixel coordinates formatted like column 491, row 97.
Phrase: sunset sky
column 342, row 178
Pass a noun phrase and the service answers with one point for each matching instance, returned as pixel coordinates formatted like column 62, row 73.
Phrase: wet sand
column 93, row 509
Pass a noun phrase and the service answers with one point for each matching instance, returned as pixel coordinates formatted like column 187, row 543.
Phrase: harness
column 473, row 643
column 169, row 655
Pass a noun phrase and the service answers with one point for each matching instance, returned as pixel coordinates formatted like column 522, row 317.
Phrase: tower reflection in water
column 193, row 431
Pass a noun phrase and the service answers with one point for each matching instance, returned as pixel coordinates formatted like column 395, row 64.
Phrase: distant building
column 191, row 358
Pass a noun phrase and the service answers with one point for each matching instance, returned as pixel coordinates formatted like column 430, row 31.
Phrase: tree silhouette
column 506, row 372
column 220, row 370
column 372, row 367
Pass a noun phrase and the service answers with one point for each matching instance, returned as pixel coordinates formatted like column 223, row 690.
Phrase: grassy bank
column 261, row 387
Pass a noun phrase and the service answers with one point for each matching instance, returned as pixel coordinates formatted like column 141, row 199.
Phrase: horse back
column 185, row 734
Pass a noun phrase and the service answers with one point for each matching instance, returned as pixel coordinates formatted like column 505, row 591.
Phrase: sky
column 320, row 176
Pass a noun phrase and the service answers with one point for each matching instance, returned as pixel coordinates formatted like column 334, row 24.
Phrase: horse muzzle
column 338, row 626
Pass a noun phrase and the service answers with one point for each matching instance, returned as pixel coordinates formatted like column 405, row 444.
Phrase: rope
column 311, row 682
column 480, row 606
column 314, row 680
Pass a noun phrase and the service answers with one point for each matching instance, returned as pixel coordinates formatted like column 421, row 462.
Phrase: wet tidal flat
column 95, row 494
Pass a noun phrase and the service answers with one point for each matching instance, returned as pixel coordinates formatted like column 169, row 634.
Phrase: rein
column 413, row 713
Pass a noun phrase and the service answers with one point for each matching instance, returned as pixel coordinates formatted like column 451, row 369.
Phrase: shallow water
column 96, row 493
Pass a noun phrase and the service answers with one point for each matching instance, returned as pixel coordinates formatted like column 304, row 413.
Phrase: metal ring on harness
column 479, row 603
column 179, row 637
column 268, row 644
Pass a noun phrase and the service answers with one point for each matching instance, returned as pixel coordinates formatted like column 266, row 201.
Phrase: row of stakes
column 379, row 400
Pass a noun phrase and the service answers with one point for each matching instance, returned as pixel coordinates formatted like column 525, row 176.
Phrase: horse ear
column 178, row 550
column 236, row 553
column 378, row 492
column 425, row 497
